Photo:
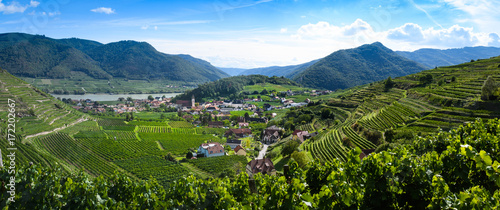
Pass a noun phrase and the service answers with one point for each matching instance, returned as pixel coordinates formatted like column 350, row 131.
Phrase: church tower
column 192, row 101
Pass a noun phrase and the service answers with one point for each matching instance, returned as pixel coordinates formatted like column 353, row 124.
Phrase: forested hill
column 231, row 85
column 348, row 68
column 435, row 57
column 42, row 57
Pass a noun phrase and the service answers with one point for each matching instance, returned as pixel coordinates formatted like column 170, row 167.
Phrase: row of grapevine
column 180, row 124
column 106, row 148
column 154, row 129
column 65, row 148
column 153, row 166
column 121, row 135
column 178, row 143
column 357, row 140
column 328, row 147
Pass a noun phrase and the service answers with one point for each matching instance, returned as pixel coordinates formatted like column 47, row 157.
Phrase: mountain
column 140, row 60
column 434, row 57
column 232, row 71
column 214, row 72
column 348, row 68
column 286, row 71
column 38, row 56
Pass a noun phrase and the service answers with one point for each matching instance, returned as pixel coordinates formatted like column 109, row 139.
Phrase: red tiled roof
column 262, row 165
column 238, row 148
column 213, row 147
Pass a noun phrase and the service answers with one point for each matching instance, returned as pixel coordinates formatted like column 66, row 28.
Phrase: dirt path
column 60, row 128
column 59, row 118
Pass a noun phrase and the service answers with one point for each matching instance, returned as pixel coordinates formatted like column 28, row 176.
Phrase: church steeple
column 192, row 101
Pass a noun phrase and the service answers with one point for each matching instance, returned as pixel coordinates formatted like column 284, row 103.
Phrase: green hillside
column 74, row 60
column 348, row 68
column 42, row 57
column 232, row 86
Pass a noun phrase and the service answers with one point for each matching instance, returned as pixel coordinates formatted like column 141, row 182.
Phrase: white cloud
column 407, row 32
column 156, row 28
column 317, row 40
column 483, row 13
column 105, row 10
column 15, row 7
column 283, row 30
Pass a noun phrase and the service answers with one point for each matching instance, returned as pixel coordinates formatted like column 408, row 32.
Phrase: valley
column 157, row 146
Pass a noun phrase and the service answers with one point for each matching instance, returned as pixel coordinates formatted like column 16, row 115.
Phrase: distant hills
column 348, row 68
column 434, row 57
column 42, row 57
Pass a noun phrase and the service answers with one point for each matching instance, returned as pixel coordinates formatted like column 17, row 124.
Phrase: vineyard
column 424, row 175
column 152, row 166
column 65, row 148
column 178, row 144
column 217, row 165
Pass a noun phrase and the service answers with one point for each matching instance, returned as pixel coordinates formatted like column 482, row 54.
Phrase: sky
column 260, row 33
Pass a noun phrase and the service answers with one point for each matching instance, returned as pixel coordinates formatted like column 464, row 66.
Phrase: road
column 262, row 152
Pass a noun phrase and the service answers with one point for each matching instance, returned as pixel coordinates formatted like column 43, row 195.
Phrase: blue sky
column 250, row 33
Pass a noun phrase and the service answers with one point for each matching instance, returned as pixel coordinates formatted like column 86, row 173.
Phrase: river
column 114, row 97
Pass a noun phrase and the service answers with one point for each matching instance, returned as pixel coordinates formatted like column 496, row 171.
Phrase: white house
column 211, row 149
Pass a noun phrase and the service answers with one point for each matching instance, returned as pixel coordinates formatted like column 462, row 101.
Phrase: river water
column 114, row 97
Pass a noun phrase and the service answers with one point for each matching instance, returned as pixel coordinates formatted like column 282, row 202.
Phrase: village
column 246, row 135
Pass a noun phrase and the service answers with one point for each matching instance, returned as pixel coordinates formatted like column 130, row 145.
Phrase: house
column 264, row 166
column 301, row 135
column 211, row 149
column 271, row 134
column 233, row 143
column 215, row 124
column 239, row 150
column 239, row 133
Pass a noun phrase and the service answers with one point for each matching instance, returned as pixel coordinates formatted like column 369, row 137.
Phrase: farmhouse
column 301, row 135
column 239, row 150
column 239, row 133
column 271, row 134
column 211, row 149
column 264, row 166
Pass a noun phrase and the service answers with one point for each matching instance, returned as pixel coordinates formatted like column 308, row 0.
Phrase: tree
column 426, row 79
column 129, row 99
column 488, row 90
column 247, row 115
column 121, row 99
column 151, row 98
column 264, row 92
column 189, row 155
column 325, row 113
column 389, row 84
column 289, row 147
column 301, row 158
